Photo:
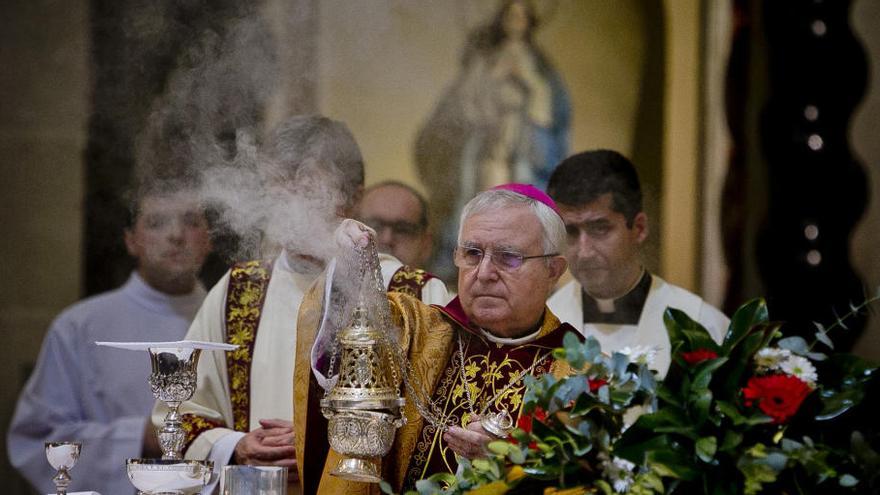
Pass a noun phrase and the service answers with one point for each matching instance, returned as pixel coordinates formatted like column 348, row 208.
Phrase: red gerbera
column 524, row 423
column 540, row 414
column 778, row 396
column 596, row 384
column 698, row 356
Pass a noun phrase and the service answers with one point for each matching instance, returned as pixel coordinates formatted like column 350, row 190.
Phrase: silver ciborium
column 173, row 381
column 364, row 407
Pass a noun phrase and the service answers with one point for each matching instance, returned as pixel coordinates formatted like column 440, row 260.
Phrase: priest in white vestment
column 612, row 297
column 243, row 405
column 99, row 395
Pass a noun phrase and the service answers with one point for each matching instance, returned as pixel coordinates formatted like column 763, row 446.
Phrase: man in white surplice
column 242, row 409
column 98, row 395
column 612, row 297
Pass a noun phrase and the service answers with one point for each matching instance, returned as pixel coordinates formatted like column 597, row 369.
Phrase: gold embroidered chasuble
column 429, row 336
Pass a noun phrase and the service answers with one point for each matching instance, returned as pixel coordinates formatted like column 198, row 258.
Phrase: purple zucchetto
column 529, row 191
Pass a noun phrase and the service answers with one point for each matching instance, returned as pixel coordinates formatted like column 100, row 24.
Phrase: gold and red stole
column 492, row 378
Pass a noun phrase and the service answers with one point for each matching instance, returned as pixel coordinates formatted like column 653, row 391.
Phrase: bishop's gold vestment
column 430, row 338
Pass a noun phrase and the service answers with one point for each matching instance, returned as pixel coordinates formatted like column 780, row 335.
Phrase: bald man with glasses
column 473, row 353
column 399, row 215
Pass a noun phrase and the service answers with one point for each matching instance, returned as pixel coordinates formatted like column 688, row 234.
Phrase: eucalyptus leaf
column 823, row 338
column 794, row 344
column 427, row 487
column 817, row 356
column 848, row 481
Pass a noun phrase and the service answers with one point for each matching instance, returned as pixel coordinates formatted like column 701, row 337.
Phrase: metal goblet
column 62, row 456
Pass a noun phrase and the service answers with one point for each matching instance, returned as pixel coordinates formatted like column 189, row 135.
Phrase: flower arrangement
column 758, row 413
column 747, row 415
column 564, row 436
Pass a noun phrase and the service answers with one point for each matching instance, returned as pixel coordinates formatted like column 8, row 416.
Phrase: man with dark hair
column 399, row 215
column 96, row 395
column 243, row 404
column 613, row 297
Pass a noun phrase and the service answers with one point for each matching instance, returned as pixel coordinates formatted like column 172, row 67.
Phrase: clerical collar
column 511, row 341
column 625, row 310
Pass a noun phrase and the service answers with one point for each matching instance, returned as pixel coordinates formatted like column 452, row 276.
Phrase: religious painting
column 505, row 118
column 455, row 96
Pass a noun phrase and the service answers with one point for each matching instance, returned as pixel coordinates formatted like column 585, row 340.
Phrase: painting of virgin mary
column 505, row 118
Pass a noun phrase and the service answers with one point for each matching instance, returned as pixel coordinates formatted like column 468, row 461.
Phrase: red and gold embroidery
column 409, row 281
column 244, row 304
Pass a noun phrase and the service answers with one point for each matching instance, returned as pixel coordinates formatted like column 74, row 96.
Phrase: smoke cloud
column 205, row 130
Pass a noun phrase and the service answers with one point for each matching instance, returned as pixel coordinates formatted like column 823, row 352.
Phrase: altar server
column 99, row 395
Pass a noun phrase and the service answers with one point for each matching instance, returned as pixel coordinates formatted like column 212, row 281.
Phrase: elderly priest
column 472, row 354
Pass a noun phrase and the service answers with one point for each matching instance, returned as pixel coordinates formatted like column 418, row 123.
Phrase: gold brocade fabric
column 408, row 280
column 248, row 282
column 429, row 337
column 492, row 378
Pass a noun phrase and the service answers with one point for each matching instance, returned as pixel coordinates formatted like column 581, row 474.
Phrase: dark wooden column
column 797, row 74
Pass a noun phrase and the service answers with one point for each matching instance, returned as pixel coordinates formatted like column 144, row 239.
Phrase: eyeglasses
column 469, row 257
column 398, row 229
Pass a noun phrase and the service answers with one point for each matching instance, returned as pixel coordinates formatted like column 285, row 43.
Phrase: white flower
column 641, row 354
column 770, row 358
column 618, row 471
column 801, row 368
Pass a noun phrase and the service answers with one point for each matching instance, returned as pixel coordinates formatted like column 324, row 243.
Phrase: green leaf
column 747, row 316
column 700, row 400
column 731, row 411
column 481, row 465
column 706, row 448
column 673, row 464
column 516, row 456
column 444, row 479
column 385, row 487
column 704, row 372
column 684, row 330
column 499, row 447
column 731, row 441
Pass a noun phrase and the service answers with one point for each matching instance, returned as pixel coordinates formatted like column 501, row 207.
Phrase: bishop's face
column 506, row 302
column 603, row 251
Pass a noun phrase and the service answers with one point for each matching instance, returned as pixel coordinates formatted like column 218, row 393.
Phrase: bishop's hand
column 470, row 442
column 352, row 234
